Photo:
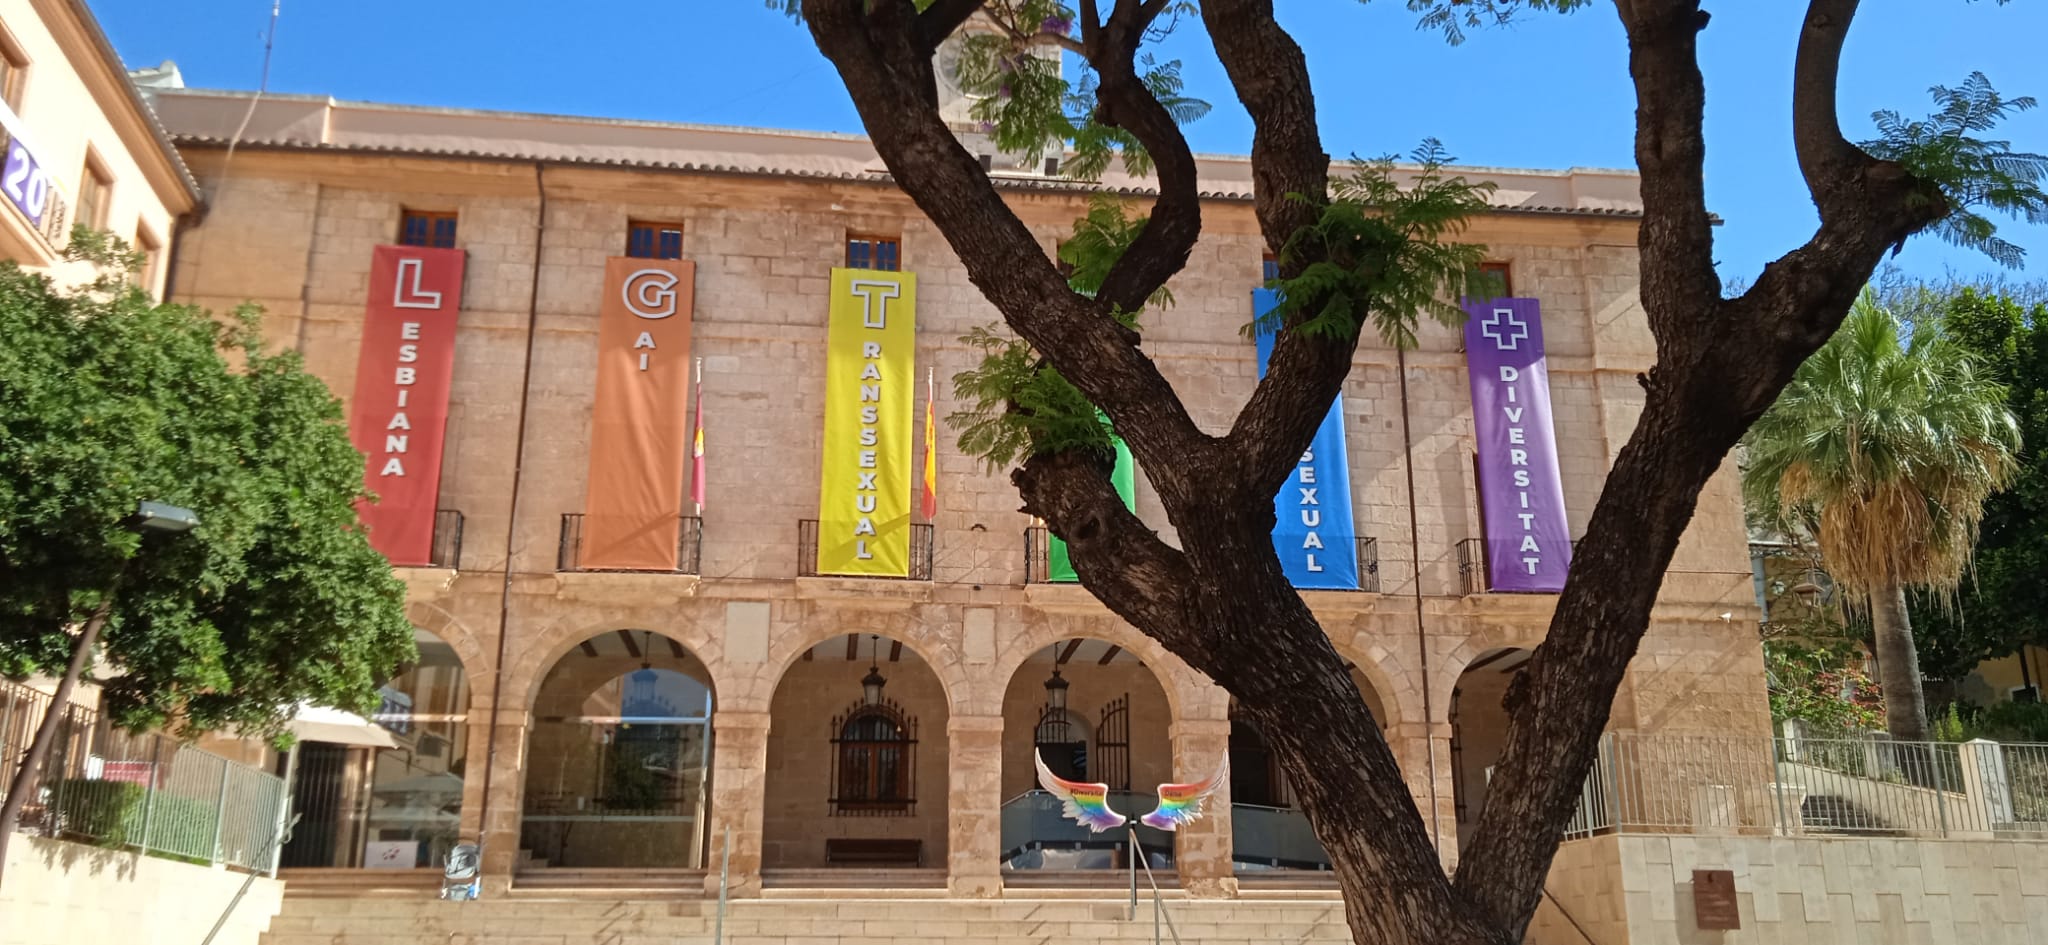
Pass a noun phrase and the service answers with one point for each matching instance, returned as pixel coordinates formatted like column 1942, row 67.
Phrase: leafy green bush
column 2014, row 722
column 116, row 814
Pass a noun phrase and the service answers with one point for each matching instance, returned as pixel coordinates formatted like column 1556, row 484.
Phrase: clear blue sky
column 1550, row 91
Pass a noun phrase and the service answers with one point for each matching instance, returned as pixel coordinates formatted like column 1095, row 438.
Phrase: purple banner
column 1521, row 496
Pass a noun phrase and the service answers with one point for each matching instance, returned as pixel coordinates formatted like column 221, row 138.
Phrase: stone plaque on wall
column 1713, row 900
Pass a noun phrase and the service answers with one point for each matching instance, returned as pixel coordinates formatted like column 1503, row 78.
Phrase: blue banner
column 1317, row 542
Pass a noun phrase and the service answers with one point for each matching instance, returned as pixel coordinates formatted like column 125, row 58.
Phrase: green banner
column 1125, row 478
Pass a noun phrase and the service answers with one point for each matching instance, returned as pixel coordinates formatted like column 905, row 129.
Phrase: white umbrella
column 313, row 723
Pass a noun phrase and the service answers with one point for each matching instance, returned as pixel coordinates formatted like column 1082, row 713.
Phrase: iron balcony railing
column 689, row 546
column 447, row 550
column 1038, row 560
column 920, row 552
column 146, row 792
column 1713, row 784
column 1475, row 573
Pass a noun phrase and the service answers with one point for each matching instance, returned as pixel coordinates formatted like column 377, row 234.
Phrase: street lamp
column 162, row 519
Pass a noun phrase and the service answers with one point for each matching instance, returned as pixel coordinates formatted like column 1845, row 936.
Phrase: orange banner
column 640, row 423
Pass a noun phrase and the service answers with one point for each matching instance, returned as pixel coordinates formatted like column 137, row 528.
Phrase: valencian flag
column 697, row 445
column 931, row 445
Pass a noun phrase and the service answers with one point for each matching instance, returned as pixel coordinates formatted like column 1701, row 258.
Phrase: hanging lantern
column 1056, row 688
column 871, row 684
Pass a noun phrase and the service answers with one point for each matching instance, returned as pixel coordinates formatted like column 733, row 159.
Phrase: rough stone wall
column 294, row 232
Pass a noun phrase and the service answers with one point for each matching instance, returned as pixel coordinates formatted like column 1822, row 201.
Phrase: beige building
column 82, row 147
column 619, row 728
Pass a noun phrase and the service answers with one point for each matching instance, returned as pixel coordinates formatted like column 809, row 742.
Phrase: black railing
column 1472, row 566
column 447, row 550
column 689, row 546
column 1038, row 560
column 1037, row 556
column 920, row 552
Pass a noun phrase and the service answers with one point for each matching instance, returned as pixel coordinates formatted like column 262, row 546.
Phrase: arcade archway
column 618, row 758
column 1268, row 830
column 1479, row 727
column 856, row 761
column 396, row 804
column 1095, row 713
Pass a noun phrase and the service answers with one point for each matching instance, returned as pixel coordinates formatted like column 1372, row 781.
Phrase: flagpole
column 697, row 439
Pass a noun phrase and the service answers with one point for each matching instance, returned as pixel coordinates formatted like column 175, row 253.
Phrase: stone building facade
column 550, row 656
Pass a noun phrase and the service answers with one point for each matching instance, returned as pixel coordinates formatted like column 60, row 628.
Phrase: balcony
column 920, row 553
column 447, row 548
column 1474, row 573
column 1038, row 561
column 689, row 547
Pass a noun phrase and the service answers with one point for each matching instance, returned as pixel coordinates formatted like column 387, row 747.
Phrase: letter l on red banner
column 399, row 415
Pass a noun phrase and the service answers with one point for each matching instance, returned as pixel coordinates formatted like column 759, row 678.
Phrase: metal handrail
column 1158, row 902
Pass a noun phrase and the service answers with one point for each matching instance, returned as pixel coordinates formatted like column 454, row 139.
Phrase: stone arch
column 617, row 756
column 856, row 755
column 1129, row 708
column 529, row 666
column 1449, row 663
column 477, row 661
column 1478, row 725
column 1371, row 667
column 1189, row 694
column 933, row 645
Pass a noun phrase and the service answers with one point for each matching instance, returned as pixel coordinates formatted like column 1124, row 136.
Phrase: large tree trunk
column 31, row 769
column 1220, row 600
column 1898, row 665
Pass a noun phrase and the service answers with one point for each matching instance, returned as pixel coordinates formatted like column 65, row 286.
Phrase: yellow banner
column 870, row 355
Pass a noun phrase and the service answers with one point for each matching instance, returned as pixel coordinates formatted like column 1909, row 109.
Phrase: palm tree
column 1883, row 449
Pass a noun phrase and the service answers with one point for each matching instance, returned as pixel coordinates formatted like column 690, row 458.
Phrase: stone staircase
column 807, row 917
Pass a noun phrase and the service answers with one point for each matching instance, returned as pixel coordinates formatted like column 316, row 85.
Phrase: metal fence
column 1038, row 560
column 689, row 545
column 149, row 793
column 1812, row 786
column 920, row 552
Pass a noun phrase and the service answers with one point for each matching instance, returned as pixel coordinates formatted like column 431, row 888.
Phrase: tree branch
column 1288, row 163
column 1719, row 365
column 889, row 76
column 1124, row 101
column 1143, row 579
column 939, row 20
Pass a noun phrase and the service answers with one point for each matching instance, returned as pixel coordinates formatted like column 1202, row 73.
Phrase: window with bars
column 427, row 228
column 874, row 252
column 646, row 240
column 875, row 761
column 1272, row 267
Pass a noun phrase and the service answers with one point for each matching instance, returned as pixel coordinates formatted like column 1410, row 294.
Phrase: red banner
column 399, row 415
column 639, row 430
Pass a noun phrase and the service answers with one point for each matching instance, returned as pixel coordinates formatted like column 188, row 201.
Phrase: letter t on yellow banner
column 870, row 362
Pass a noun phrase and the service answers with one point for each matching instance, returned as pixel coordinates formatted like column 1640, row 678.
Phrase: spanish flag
column 931, row 445
column 697, row 445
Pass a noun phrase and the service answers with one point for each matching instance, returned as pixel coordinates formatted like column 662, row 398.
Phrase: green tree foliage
column 2003, row 602
column 1974, row 173
column 107, row 399
column 1383, row 245
column 1885, row 449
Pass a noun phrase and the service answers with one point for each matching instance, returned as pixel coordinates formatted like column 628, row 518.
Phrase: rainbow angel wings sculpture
column 1087, row 803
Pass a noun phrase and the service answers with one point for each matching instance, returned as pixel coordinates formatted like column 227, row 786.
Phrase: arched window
column 874, row 759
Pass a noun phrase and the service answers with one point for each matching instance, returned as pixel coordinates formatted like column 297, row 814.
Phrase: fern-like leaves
column 1382, row 248
column 1977, row 174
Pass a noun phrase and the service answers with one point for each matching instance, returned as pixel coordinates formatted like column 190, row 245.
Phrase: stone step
column 849, row 919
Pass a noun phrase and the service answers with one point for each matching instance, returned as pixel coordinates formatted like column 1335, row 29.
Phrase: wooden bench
column 874, row 852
